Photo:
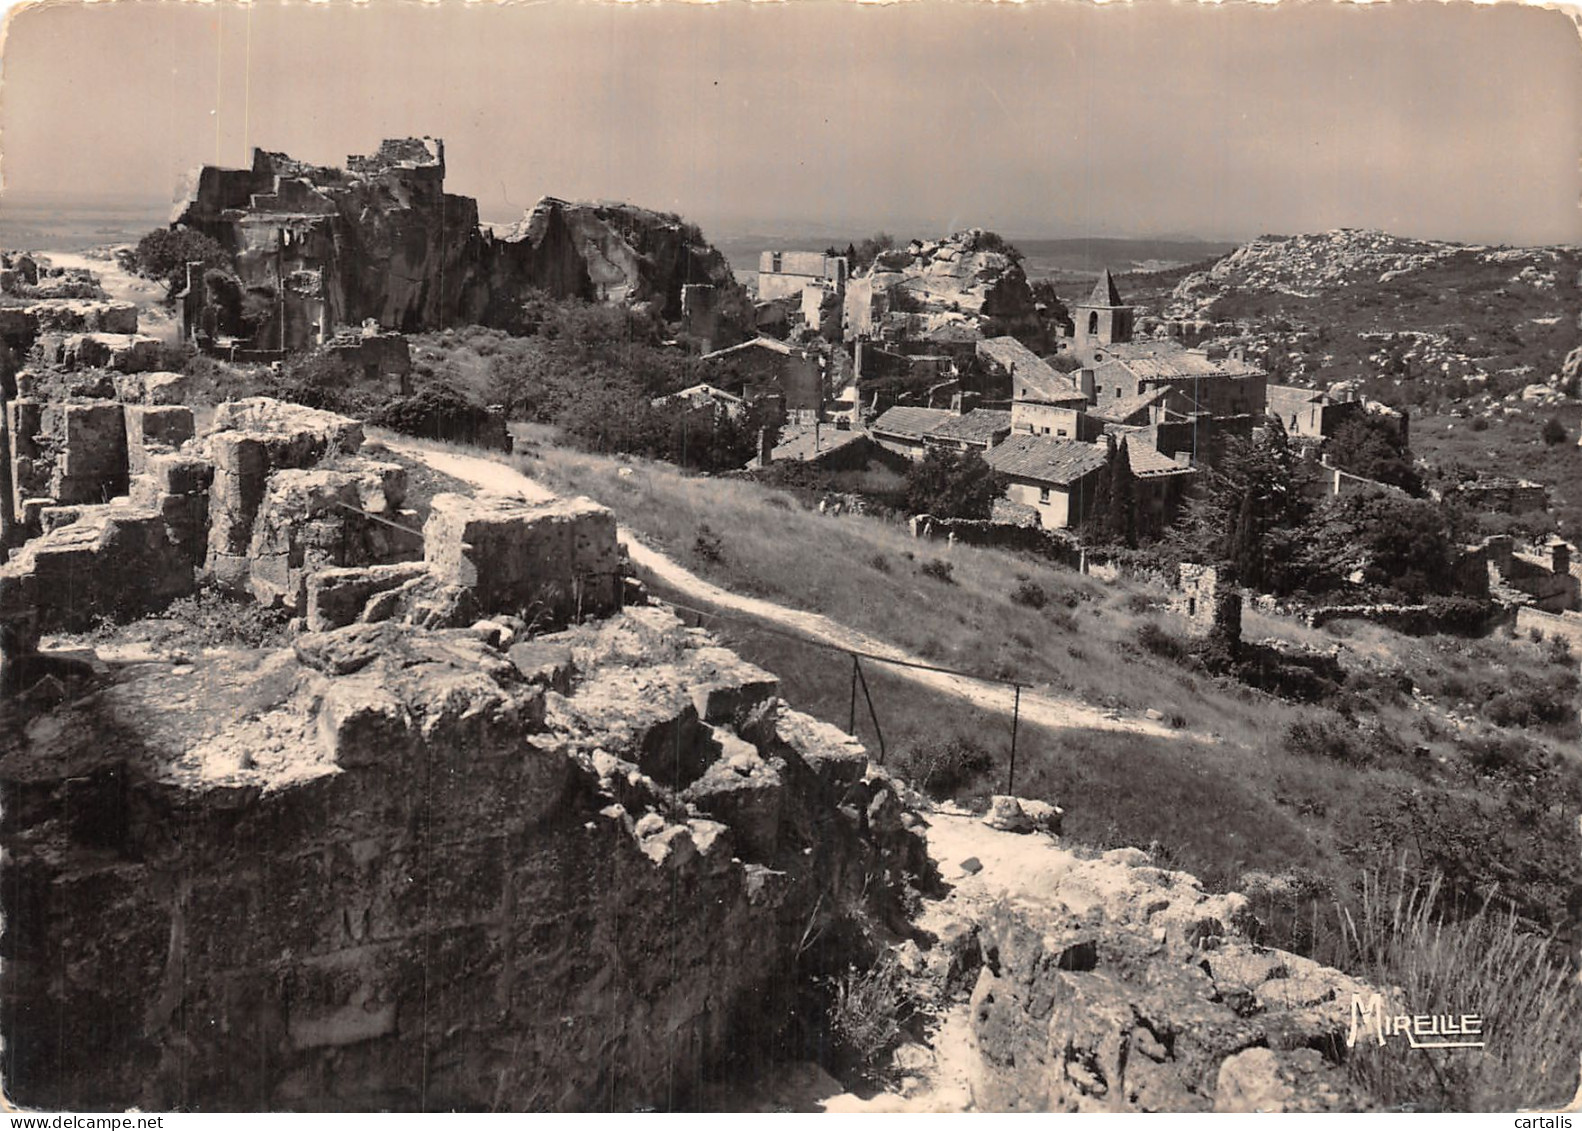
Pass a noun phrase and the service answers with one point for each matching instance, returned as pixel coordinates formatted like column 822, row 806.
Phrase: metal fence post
column 851, row 724
column 1016, row 718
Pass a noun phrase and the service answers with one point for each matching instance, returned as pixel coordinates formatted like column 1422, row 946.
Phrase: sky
column 1056, row 118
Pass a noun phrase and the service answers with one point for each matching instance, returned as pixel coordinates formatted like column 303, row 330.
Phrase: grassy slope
column 1240, row 801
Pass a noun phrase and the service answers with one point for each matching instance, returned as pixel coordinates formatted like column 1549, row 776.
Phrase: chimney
column 765, row 448
column 1085, row 383
column 1560, row 557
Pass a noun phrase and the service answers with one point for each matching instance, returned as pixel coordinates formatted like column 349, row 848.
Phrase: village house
column 1307, row 413
column 905, row 430
column 766, row 366
column 1057, row 478
column 704, row 395
column 1044, row 402
column 786, row 274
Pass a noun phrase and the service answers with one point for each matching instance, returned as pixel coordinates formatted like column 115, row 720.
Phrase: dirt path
column 1036, row 707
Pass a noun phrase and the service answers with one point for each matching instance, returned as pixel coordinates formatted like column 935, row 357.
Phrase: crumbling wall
column 414, row 874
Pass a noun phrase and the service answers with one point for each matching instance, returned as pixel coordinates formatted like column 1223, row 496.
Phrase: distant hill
column 1044, row 257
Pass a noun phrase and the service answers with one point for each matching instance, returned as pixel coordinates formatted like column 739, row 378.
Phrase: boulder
column 1023, row 815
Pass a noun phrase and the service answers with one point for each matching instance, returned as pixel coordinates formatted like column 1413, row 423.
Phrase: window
column 1062, row 432
column 1043, row 494
column 776, row 264
column 1093, row 322
column 1191, row 606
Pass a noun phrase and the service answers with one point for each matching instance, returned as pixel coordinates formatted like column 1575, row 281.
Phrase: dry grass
column 1527, row 995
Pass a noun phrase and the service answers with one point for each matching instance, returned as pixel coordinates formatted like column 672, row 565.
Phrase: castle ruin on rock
column 381, row 243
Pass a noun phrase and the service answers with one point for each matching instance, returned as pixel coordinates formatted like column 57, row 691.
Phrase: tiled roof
column 760, row 342
column 1047, row 460
column 1041, row 382
column 1147, row 462
column 1122, row 411
column 802, row 446
column 914, row 423
column 980, row 426
column 1186, row 364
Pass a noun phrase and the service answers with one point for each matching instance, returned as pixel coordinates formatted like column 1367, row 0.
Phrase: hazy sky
column 1054, row 118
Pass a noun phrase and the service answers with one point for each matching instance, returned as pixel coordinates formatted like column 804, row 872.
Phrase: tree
column 869, row 249
column 165, row 252
column 1554, row 432
column 953, row 485
column 1399, row 545
column 1249, row 514
column 1120, row 521
column 1371, row 448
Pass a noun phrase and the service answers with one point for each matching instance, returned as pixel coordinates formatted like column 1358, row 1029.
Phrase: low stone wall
column 389, row 870
column 1003, row 535
column 1415, row 620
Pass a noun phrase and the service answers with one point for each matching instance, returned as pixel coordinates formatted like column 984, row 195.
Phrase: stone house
column 1044, row 402
column 1056, row 478
column 905, row 429
column 765, row 366
column 1205, row 399
column 1307, row 413
column 785, row 274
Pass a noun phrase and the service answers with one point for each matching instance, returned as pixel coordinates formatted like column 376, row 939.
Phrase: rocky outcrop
column 962, row 288
column 389, row 869
column 381, row 240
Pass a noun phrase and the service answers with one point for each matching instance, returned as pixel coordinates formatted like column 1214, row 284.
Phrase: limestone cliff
column 318, row 247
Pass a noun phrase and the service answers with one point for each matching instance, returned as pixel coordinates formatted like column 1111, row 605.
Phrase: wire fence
column 859, row 680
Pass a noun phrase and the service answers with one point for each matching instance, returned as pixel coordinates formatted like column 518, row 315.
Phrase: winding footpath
column 1036, row 707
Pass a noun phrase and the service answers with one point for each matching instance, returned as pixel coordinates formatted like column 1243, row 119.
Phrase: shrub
column 949, row 485
column 1400, row 934
column 212, row 618
column 939, row 570
column 165, row 252
column 1553, row 432
column 1329, row 739
column 1479, row 424
column 707, row 545
column 867, row 1016
column 1031, row 594
column 441, row 412
column 941, row 768
column 880, row 563
column 1162, row 643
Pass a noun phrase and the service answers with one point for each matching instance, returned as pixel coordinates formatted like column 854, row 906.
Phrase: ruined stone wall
column 413, row 874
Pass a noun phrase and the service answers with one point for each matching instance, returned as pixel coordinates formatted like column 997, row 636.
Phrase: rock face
column 386, row 869
column 381, row 240
column 1138, row 993
column 966, row 286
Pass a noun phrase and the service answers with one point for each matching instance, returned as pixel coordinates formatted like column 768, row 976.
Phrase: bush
column 212, row 618
column 867, row 1017
column 880, row 563
column 1553, row 432
column 1162, row 643
column 939, row 570
column 942, row 768
column 1329, row 739
column 1479, row 424
column 442, row 412
column 950, row 485
column 1031, row 594
column 707, row 545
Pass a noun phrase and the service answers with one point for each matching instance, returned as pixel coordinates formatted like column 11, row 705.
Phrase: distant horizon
column 810, row 232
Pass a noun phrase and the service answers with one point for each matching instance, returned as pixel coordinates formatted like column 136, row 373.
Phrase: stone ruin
column 126, row 510
column 449, row 850
column 67, row 317
column 1208, row 607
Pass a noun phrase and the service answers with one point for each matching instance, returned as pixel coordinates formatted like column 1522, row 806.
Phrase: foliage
column 707, row 545
column 1554, row 432
column 953, row 485
column 939, row 569
column 942, row 767
column 867, row 249
column 1031, row 594
column 1370, row 447
column 318, row 380
column 165, row 252
column 867, row 1017
column 1404, row 548
column 1159, row 642
column 1249, row 515
column 439, row 412
column 212, row 618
